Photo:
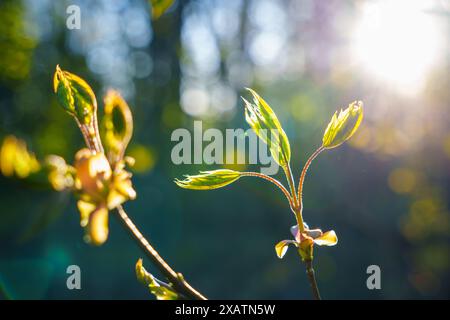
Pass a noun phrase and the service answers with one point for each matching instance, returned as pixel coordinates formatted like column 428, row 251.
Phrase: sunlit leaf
column 121, row 189
column 329, row 238
column 118, row 125
column 85, row 208
column 161, row 291
column 343, row 125
column 264, row 122
column 94, row 220
column 60, row 175
column 282, row 247
column 208, row 180
column 75, row 95
column 159, row 7
column 16, row 160
column 97, row 228
column 93, row 173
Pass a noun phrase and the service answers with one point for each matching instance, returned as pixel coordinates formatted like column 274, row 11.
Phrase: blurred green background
column 385, row 193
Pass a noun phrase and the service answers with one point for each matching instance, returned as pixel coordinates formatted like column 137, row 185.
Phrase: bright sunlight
column 397, row 41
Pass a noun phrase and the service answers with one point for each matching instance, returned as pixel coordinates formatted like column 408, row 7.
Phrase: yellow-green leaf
column 118, row 125
column 266, row 125
column 329, row 238
column 282, row 246
column 159, row 7
column 94, row 220
column 60, row 175
column 16, row 160
column 161, row 290
column 343, row 125
column 97, row 228
column 75, row 95
column 208, row 180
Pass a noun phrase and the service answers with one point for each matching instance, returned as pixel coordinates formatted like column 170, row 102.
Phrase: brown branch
column 312, row 280
column 177, row 280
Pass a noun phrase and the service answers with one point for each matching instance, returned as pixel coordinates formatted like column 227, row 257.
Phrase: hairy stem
column 180, row 285
column 97, row 134
column 296, row 209
column 290, row 179
column 312, row 280
column 299, row 213
column 275, row 182
column 303, row 175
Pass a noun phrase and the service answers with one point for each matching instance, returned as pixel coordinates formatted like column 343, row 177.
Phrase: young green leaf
column 161, row 290
column 264, row 122
column 343, row 125
column 208, row 180
column 75, row 96
column 118, row 125
column 159, row 7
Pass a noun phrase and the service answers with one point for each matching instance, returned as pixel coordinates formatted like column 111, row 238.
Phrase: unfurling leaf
column 99, row 189
column 75, row 96
column 97, row 227
column 60, row 175
column 16, row 160
column 159, row 7
column 343, row 125
column 208, row 180
column 282, row 246
column 93, row 174
column 264, row 122
column 162, row 291
column 121, row 188
column 94, row 220
column 118, row 125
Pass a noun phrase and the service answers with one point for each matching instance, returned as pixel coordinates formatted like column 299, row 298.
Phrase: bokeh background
column 386, row 192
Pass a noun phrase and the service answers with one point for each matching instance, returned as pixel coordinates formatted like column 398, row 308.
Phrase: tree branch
column 177, row 280
column 312, row 280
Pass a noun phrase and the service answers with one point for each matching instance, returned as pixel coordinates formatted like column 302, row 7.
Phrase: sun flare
column 397, row 41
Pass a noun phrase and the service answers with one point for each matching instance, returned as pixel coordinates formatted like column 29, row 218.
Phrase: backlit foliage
column 261, row 118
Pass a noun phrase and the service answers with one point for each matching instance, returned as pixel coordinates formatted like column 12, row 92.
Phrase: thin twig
column 302, row 176
column 312, row 280
column 308, row 263
column 179, row 284
column 97, row 139
column 297, row 211
column 290, row 179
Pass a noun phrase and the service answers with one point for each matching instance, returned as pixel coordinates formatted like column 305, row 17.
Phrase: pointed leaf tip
column 263, row 120
column 74, row 95
column 343, row 125
column 208, row 180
